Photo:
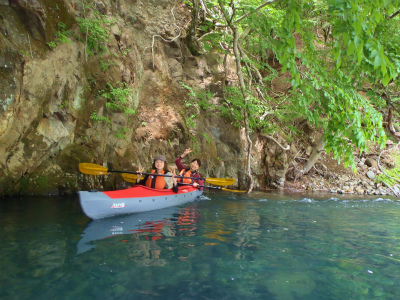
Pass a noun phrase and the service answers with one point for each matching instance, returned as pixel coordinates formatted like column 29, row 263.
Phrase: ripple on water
column 307, row 200
column 203, row 197
column 383, row 200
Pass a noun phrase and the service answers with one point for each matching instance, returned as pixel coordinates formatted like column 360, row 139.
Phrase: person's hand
column 187, row 151
column 195, row 184
column 139, row 173
column 174, row 177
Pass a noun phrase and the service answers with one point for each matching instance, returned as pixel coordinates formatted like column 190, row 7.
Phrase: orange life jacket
column 156, row 182
column 185, row 173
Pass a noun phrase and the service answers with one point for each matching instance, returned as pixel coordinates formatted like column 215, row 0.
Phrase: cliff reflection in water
column 140, row 232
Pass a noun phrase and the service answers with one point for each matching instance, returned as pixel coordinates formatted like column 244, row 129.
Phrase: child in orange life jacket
column 159, row 182
column 189, row 172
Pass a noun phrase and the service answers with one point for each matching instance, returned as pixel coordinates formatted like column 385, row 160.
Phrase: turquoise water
column 225, row 246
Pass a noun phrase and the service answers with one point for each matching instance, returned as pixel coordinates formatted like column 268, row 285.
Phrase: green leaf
column 357, row 41
column 383, row 68
column 351, row 48
column 357, row 25
column 374, row 53
column 338, row 62
column 377, row 61
column 386, row 80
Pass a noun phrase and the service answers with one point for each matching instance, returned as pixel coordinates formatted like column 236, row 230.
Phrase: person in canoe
column 191, row 171
column 159, row 166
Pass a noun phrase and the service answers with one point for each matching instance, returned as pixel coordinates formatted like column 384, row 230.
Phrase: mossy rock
column 73, row 155
column 39, row 185
column 7, row 187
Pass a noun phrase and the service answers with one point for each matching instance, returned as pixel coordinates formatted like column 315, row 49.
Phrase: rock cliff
column 52, row 85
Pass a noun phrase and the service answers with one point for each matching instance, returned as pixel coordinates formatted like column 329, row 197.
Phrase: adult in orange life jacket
column 158, row 182
column 189, row 171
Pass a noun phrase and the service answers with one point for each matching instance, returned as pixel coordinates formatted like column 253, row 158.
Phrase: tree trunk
column 236, row 51
column 191, row 38
column 244, row 94
column 314, row 155
column 390, row 123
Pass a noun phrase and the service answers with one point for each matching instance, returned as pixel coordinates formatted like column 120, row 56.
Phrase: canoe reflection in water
column 151, row 226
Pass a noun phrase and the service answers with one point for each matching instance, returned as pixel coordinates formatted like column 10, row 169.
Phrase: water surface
column 224, row 246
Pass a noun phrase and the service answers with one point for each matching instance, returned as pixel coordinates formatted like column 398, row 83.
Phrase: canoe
column 139, row 198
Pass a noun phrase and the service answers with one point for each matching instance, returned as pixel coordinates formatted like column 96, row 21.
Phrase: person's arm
column 179, row 164
column 142, row 181
column 198, row 181
column 179, row 159
column 168, row 181
column 171, row 183
column 139, row 175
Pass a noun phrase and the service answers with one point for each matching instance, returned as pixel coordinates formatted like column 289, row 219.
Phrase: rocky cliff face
column 51, row 86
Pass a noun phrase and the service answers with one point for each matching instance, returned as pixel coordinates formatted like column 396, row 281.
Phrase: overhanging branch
column 257, row 9
column 394, row 14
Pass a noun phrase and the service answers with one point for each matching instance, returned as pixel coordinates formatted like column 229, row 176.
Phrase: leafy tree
column 358, row 51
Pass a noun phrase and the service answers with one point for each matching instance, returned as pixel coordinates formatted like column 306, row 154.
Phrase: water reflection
column 233, row 247
column 140, row 231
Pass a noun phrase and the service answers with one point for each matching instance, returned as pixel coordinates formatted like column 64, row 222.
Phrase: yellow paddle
column 93, row 169
column 217, row 181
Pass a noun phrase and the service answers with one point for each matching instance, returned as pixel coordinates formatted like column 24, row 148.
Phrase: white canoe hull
column 136, row 199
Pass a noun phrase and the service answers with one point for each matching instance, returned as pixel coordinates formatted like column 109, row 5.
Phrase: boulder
column 370, row 162
column 371, row 175
column 359, row 190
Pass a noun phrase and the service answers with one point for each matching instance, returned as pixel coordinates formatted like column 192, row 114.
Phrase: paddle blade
column 221, row 181
column 130, row 177
column 92, row 169
column 235, row 191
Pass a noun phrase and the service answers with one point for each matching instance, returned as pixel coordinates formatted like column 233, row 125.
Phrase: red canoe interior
column 138, row 191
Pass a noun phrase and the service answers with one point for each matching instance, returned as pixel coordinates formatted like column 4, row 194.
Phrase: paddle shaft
column 214, row 187
column 94, row 169
column 205, row 186
column 154, row 174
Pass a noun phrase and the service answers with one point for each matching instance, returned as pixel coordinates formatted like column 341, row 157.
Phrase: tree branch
column 270, row 137
column 390, row 123
column 257, row 9
column 394, row 14
column 379, row 157
column 154, row 36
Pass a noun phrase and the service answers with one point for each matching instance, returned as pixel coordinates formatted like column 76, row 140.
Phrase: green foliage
column 95, row 117
column 117, row 100
column 325, row 82
column 198, row 98
column 234, row 106
column 104, row 65
column 25, row 53
column 207, row 137
column 65, row 104
column 125, row 52
column 328, row 69
column 189, row 120
column 360, row 27
column 96, row 32
column 121, row 133
column 61, row 35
